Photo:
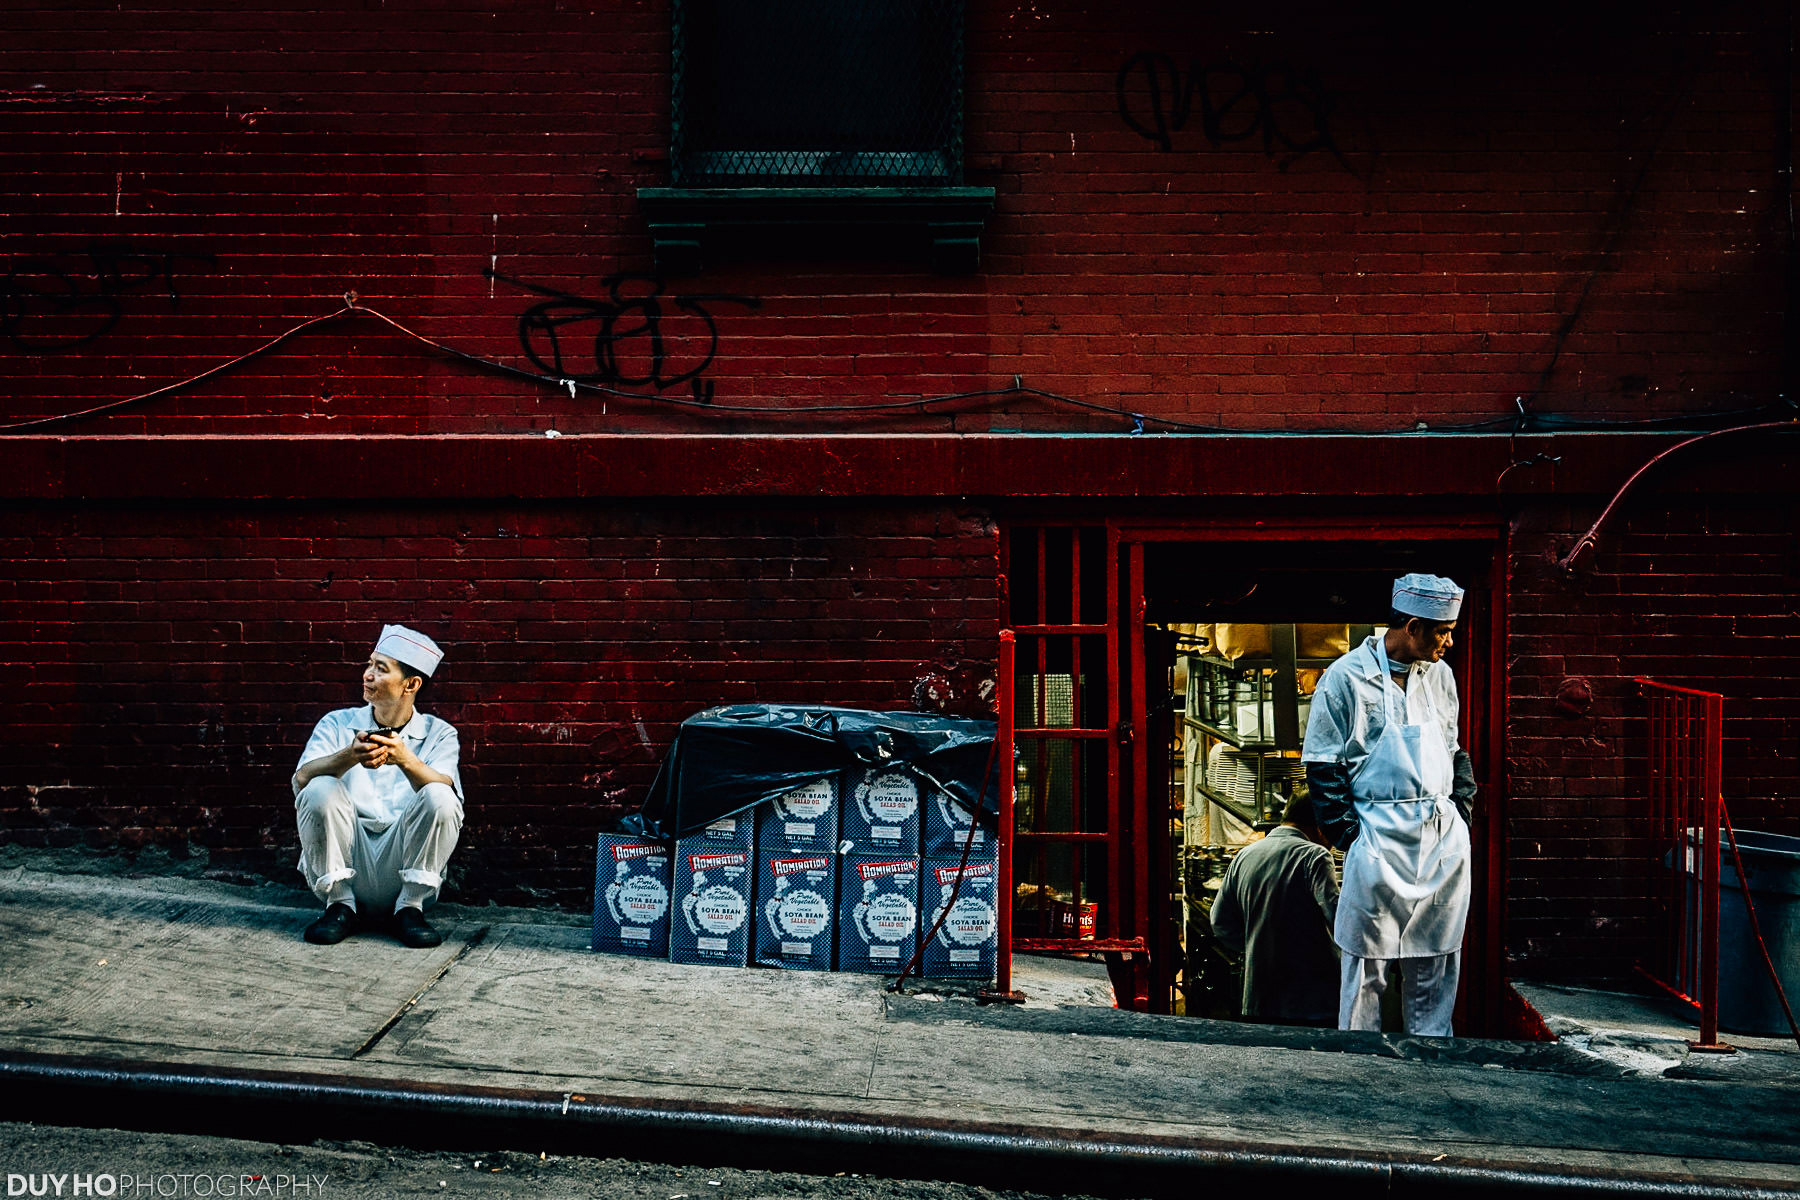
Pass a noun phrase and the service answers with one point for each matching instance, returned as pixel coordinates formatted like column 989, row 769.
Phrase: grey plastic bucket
column 1747, row 999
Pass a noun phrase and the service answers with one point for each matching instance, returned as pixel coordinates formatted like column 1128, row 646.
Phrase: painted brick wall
column 1698, row 592
column 1364, row 217
column 1359, row 217
column 161, row 667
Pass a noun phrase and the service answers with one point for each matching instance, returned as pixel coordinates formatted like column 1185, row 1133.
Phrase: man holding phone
column 379, row 801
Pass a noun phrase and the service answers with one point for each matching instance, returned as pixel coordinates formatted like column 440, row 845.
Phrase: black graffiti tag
column 631, row 333
column 1288, row 107
column 51, row 305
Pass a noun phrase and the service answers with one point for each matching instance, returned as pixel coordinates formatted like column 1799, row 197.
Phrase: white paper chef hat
column 410, row 648
column 1430, row 596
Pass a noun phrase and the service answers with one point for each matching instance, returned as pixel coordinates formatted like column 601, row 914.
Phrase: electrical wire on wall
column 1134, row 422
column 1591, row 538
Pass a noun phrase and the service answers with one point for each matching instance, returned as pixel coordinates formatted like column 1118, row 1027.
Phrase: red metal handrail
column 1685, row 765
column 1004, row 736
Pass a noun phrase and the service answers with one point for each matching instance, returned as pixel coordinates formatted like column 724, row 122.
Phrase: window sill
column 682, row 218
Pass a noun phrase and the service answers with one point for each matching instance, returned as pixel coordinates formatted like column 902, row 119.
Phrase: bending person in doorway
column 1277, row 904
column 379, row 800
column 1392, row 788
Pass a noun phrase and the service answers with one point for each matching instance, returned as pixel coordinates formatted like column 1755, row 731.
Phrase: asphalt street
column 190, row 1167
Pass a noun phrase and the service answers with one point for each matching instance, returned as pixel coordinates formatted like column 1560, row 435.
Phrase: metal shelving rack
column 1219, row 688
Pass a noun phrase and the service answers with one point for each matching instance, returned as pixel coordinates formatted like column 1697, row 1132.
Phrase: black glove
column 1462, row 791
column 1333, row 809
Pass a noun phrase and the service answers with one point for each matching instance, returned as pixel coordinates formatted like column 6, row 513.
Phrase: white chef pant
column 371, row 866
column 1427, row 992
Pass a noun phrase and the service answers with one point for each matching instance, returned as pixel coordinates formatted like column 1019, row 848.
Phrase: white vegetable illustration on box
column 954, row 816
column 810, row 802
column 712, row 908
column 970, row 923
column 799, row 913
column 639, row 898
column 883, row 917
column 971, row 919
column 890, row 798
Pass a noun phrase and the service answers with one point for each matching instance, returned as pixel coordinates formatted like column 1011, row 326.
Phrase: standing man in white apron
column 1392, row 789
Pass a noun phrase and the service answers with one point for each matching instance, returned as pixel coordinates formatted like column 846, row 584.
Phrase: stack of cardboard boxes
column 845, row 873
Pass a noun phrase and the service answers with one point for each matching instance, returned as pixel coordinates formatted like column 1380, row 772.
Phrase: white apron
column 1406, row 876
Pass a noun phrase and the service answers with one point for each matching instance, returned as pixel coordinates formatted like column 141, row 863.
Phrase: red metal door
column 1076, row 869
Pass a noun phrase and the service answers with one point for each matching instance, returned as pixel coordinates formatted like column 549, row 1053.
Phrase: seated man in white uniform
column 1392, row 789
column 379, row 800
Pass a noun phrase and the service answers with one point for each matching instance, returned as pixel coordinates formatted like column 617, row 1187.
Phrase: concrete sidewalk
column 179, row 1003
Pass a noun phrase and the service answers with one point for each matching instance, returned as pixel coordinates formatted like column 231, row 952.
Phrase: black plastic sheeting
column 732, row 758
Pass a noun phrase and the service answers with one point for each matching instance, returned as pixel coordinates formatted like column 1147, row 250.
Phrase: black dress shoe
column 333, row 927
column 411, row 927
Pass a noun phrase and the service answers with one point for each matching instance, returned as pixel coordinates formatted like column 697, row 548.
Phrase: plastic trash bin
column 1747, row 999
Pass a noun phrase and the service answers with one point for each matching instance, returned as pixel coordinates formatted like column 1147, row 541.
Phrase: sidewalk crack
column 881, row 1034
column 368, row 1045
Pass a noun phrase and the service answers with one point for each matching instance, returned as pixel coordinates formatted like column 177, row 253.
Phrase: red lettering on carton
column 947, row 875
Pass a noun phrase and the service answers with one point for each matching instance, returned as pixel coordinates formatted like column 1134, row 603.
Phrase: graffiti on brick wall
column 51, row 304
column 1286, row 107
column 636, row 336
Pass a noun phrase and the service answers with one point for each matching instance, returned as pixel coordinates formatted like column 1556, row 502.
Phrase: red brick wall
column 161, row 667
column 1696, row 591
column 1406, row 217
column 1392, row 226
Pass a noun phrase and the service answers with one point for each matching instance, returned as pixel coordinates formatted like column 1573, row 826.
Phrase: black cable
column 1139, row 421
column 916, row 962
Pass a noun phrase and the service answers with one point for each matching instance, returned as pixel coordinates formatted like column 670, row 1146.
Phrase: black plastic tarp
column 731, row 758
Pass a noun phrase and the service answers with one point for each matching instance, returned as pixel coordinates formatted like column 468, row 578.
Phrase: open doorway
column 1238, row 634
column 1127, row 635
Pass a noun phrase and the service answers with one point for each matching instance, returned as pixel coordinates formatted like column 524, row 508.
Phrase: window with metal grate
column 817, row 93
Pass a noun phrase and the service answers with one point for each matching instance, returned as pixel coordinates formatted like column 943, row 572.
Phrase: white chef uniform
column 1406, row 876
column 368, row 833
column 368, row 837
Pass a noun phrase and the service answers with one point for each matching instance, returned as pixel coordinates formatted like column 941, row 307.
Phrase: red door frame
column 1030, row 641
column 1136, row 924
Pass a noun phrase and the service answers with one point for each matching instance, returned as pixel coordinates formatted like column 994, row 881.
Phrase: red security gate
column 1685, row 753
column 1080, row 879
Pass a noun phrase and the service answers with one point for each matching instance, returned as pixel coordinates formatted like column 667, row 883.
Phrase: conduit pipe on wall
column 1591, row 538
